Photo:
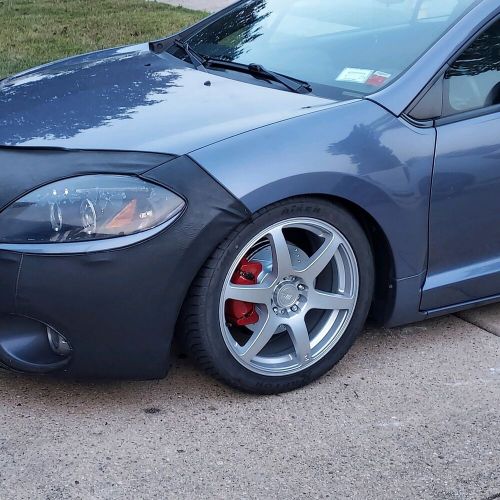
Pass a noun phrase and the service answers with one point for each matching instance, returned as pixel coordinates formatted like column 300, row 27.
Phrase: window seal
column 468, row 115
column 490, row 21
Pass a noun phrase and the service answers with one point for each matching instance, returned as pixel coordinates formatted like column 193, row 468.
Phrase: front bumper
column 118, row 308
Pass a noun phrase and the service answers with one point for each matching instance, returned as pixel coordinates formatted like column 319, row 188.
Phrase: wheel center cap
column 286, row 295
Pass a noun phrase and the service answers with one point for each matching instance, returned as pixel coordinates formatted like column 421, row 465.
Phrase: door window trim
column 467, row 115
column 434, row 121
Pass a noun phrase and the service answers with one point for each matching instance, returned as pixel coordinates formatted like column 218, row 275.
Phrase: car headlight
column 91, row 207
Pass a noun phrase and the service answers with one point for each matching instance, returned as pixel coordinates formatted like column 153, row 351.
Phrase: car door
column 464, row 231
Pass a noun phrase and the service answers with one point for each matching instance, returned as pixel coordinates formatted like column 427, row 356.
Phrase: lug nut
column 275, row 309
column 301, row 287
column 295, row 308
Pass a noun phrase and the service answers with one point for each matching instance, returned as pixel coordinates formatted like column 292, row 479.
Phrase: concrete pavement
column 487, row 318
column 409, row 413
column 207, row 5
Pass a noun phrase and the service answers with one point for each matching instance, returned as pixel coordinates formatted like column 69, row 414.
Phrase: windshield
column 353, row 46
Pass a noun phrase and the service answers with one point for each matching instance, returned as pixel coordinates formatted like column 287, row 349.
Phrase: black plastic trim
column 26, row 169
column 429, row 105
column 439, row 119
column 118, row 308
column 162, row 44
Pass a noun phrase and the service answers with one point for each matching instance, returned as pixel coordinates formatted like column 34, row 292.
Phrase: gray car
column 258, row 183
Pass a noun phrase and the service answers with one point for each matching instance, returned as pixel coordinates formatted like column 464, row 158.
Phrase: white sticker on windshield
column 355, row 75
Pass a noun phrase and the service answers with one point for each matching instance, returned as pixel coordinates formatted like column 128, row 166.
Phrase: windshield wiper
column 291, row 83
column 197, row 60
column 201, row 62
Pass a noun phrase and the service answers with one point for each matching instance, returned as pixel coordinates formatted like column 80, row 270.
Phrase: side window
column 473, row 80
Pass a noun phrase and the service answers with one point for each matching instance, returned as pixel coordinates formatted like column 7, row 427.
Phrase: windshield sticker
column 355, row 75
column 378, row 79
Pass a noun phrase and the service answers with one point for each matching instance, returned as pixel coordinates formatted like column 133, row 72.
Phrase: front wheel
column 283, row 298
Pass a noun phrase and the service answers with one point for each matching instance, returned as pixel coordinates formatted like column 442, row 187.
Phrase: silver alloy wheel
column 286, row 339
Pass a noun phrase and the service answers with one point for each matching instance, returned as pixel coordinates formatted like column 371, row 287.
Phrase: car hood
column 132, row 99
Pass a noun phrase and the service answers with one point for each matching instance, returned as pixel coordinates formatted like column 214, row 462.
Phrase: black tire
column 201, row 333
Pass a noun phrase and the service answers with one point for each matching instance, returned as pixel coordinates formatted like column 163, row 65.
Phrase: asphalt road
column 409, row 413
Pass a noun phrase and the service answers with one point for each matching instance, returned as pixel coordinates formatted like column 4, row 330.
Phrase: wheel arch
column 384, row 260
column 382, row 254
column 380, row 214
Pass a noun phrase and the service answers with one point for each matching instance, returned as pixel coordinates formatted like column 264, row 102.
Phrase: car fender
column 357, row 152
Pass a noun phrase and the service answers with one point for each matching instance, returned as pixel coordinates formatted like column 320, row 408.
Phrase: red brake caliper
column 239, row 313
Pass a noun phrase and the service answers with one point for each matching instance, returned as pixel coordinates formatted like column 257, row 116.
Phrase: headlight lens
column 91, row 207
